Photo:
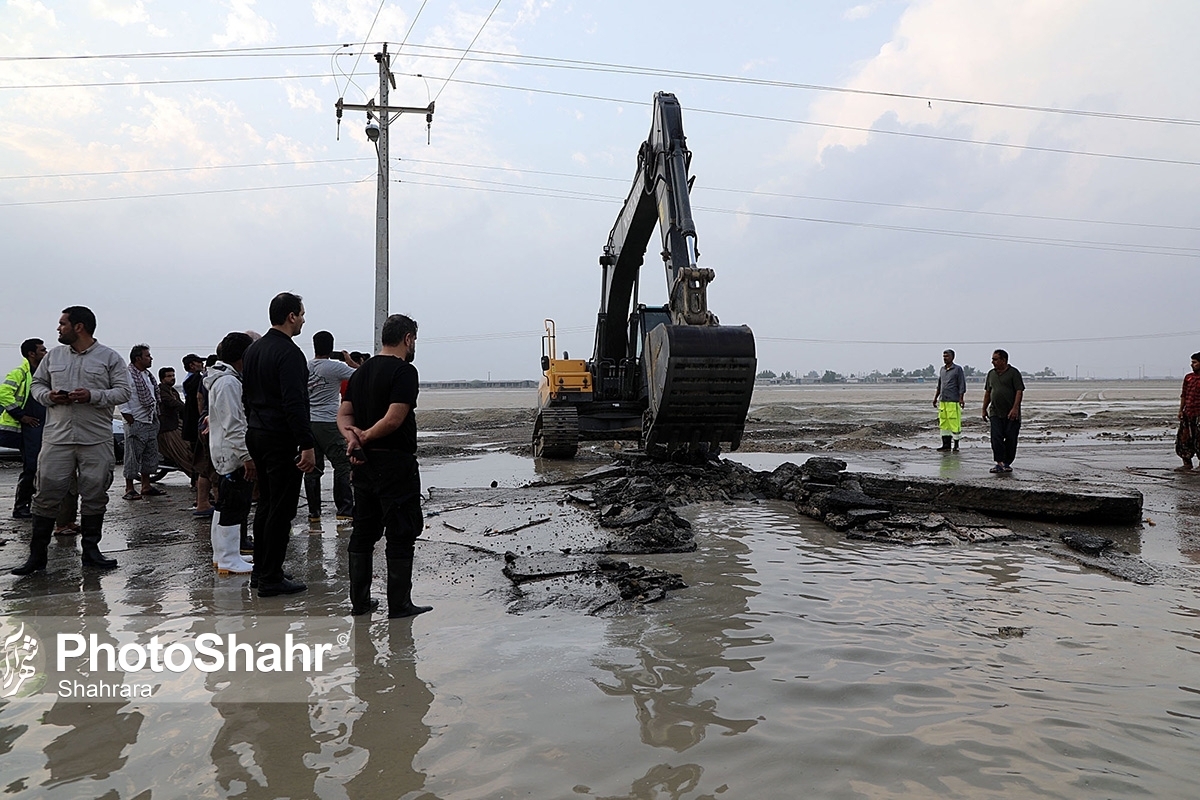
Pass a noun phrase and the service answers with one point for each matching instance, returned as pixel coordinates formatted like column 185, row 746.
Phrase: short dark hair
column 136, row 351
column 1195, row 356
column 395, row 328
column 81, row 315
column 30, row 346
column 162, row 372
column 322, row 343
column 1002, row 353
column 283, row 304
column 234, row 346
column 212, row 359
column 191, row 358
column 948, row 350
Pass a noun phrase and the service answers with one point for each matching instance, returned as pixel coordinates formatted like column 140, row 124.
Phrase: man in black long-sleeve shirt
column 275, row 393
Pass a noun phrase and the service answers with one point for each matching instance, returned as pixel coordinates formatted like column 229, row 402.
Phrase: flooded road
column 795, row 664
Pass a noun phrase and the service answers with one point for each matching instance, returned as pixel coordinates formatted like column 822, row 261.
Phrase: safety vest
column 14, row 391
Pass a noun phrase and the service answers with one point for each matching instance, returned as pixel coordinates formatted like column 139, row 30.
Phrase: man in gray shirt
column 948, row 399
column 325, row 376
column 1002, row 395
column 79, row 383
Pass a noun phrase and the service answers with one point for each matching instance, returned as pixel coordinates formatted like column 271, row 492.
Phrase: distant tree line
column 895, row 375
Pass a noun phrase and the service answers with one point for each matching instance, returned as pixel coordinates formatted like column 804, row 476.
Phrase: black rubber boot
column 39, row 541
column 246, row 547
column 360, row 585
column 399, row 589
column 312, row 493
column 945, row 445
column 343, row 496
column 90, row 526
column 955, row 448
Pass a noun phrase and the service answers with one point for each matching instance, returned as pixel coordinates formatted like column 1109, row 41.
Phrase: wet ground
column 796, row 662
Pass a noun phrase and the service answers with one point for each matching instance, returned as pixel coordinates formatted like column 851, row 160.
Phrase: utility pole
column 379, row 119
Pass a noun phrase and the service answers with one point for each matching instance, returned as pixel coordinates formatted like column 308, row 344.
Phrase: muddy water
column 796, row 664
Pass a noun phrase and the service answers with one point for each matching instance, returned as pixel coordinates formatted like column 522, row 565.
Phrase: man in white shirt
column 326, row 374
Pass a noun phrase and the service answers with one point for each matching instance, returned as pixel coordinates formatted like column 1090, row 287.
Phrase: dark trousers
column 1004, row 439
column 278, row 492
column 235, row 496
column 329, row 442
column 29, row 442
column 387, row 501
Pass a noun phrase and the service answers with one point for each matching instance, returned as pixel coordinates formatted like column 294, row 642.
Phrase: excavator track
column 556, row 433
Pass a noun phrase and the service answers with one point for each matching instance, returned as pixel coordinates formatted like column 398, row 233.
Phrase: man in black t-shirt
column 376, row 418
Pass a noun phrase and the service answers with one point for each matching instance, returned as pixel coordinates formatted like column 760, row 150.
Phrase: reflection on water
column 796, row 664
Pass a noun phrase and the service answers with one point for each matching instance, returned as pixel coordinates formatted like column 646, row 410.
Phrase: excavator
column 670, row 377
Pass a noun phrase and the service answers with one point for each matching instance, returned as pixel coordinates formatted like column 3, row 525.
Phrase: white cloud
column 35, row 10
column 122, row 12
column 244, row 27
column 303, row 97
column 861, row 11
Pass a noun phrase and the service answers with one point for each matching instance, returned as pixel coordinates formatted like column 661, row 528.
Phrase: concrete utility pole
column 379, row 118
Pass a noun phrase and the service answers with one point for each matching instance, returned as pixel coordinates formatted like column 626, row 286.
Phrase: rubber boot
column 90, row 527
column 312, row 493
column 343, row 496
column 39, row 542
column 399, row 589
column 245, row 541
column 955, row 448
column 945, row 445
column 226, row 552
column 360, row 585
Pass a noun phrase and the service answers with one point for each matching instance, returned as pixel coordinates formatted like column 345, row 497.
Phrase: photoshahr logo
column 22, row 659
column 199, row 658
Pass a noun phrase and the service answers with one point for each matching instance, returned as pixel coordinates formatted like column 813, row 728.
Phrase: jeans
column 1004, row 439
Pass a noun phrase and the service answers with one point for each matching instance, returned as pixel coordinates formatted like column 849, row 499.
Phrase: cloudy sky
column 874, row 181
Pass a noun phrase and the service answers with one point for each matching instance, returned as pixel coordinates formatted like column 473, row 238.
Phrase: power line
column 464, row 54
column 786, row 120
column 550, row 192
column 1118, row 247
column 819, row 198
column 600, row 98
column 580, row 176
column 363, row 49
column 550, row 62
column 989, row 342
column 181, row 169
column 65, row 200
column 225, row 52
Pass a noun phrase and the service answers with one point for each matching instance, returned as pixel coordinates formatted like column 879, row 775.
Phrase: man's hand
column 935, row 402
column 985, row 412
column 307, row 461
column 1015, row 413
column 80, row 396
column 249, row 470
column 32, row 422
column 127, row 417
column 60, row 398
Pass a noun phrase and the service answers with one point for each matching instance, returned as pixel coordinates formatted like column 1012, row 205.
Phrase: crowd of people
column 257, row 421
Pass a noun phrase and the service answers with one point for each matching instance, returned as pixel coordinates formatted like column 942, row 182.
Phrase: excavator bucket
column 699, row 379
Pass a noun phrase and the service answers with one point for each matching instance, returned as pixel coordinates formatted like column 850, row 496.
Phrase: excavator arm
column 698, row 375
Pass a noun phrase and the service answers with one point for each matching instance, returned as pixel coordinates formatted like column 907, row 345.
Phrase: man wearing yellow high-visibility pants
column 949, row 398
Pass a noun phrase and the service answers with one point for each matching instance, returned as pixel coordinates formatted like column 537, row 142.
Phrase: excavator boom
column 689, row 378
